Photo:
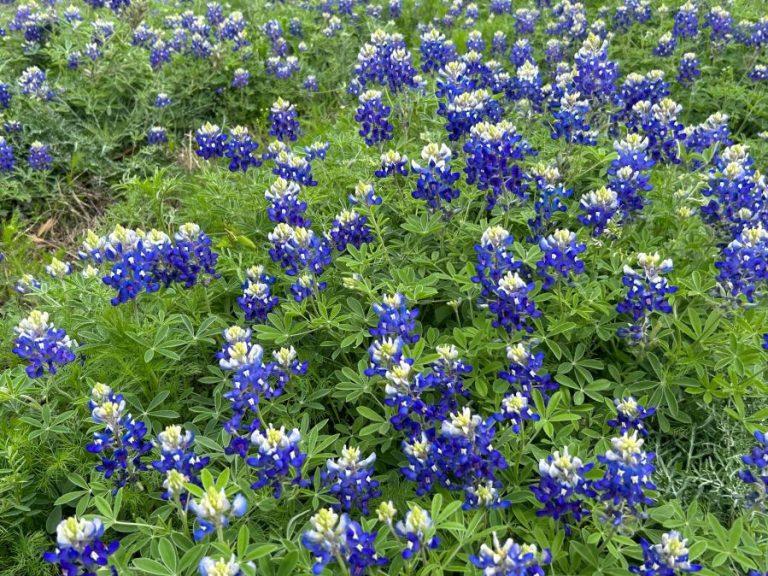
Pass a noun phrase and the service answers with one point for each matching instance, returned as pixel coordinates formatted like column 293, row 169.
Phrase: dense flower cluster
column 257, row 300
column 121, row 443
column 495, row 152
column 80, row 550
column 337, row 538
column 511, row 559
column 349, row 479
column 145, row 261
column 436, row 181
column 303, row 255
column 669, row 558
column 373, row 115
column 756, row 475
column 647, row 292
column 178, row 462
column 40, row 343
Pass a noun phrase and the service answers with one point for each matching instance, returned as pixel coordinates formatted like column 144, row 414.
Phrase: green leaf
column 167, row 552
column 149, row 566
column 369, row 414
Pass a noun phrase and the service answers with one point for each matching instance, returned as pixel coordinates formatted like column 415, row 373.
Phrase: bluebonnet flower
column 27, row 283
column 72, row 15
column 310, row 83
column 660, row 124
column 511, row 559
column 714, row 131
column 392, row 162
column 499, row 7
column 285, row 204
column 277, row 452
column 285, row 366
column 459, row 457
column 210, row 141
column 688, row 70
column 214, row 511
column 294, row 168
column 555, row 51
column 5, row 95
column 7, row 160
column 494, row 259
column 240, row 150
column 630, row 415
column 493, row 163
column 178, row 462
column 80, row 550
column 516, row 409
column 335, row 538
column 159, row 54
column 647, row 292
column 302, row 254
column 522, row 52
column 720, row 24
column 33, row 83
column 350, row 479
column 524, row 371
column 284, row 125
column 221, row 567
column 295, row 27
column 12, row 126
column 190, row 258
column 454, row 79
column 527, row 85
column 525, row 21
column 629, row 178
column 58, row 269
column 511, row 303
column 758, row 478
column 560, row 252
column 365, row 194
column 395, row 9
column 39, row 342
column 257, row 300
column 499, row 44
column 395, row 319
column 39, row 157
column 316, row 151
column 666, row 45
column 637, row 88
column 157, row 136
column 738, row 191
column 122, row 443
column 372, row 115
column 162, row 100
column 240, row 78
column 418, row 532
column 550, row 198
column 467, row 109
column 349, row 227
column 599, row 207
column 759, row 73
column 570, row 115
column 563, row 488
column 596, row 75
column 385, row 61
column 686, row 21
column 626, row 479
column 669, row 558
column 282, row 68
column 475, row 42
column 744, row 266
column 436, row 180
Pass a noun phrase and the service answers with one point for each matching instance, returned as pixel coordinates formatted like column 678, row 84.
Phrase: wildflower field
column 410, row 287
